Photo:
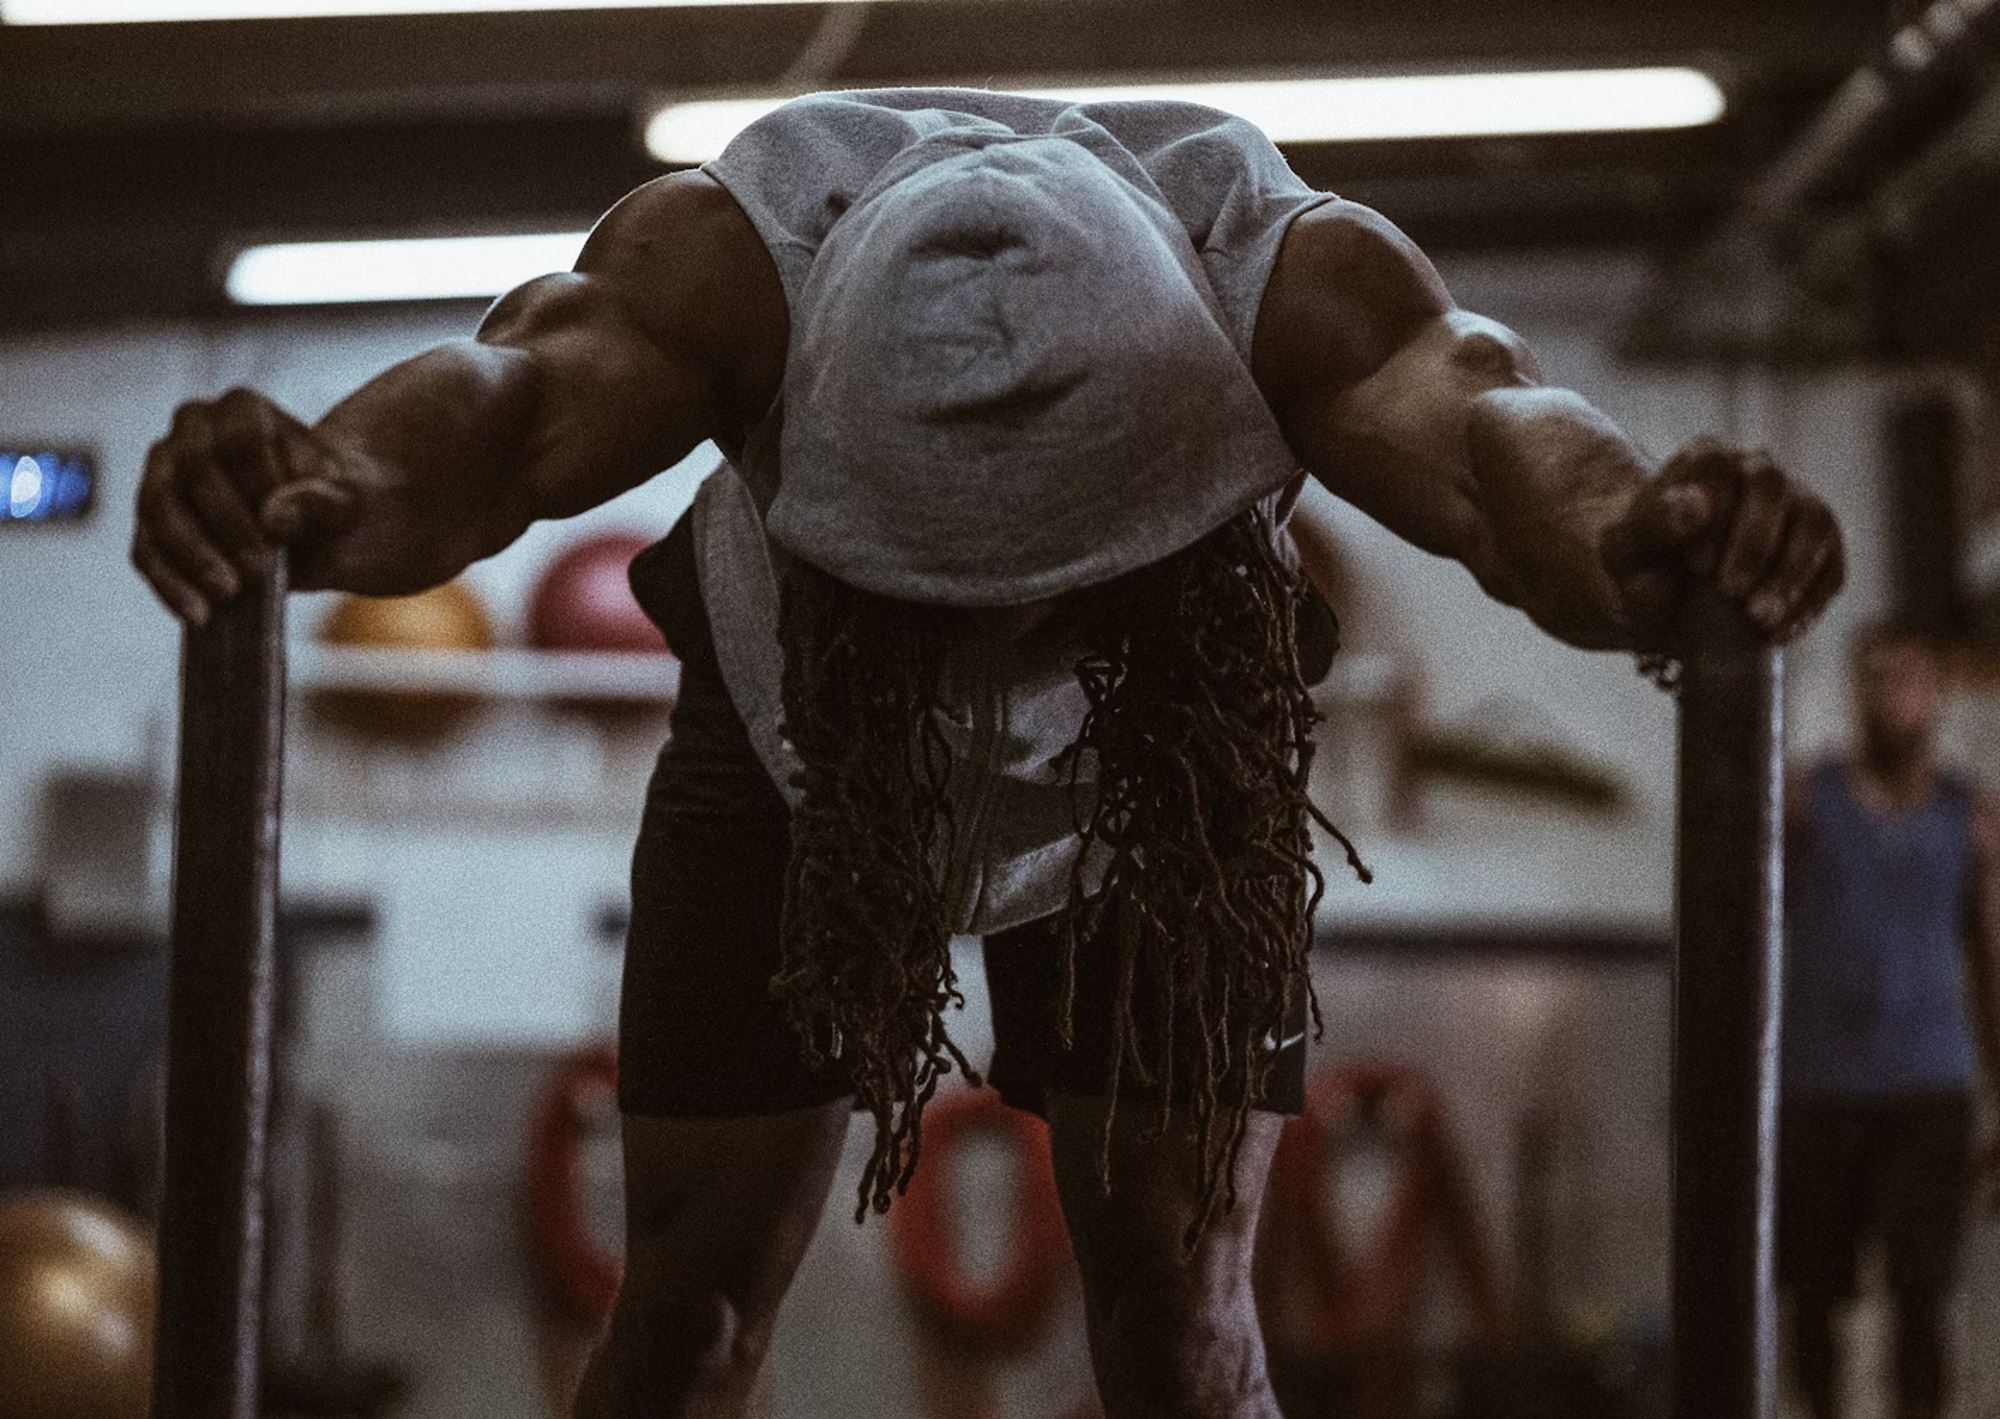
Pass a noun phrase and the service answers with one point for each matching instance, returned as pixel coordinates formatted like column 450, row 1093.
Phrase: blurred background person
column 1892, row 968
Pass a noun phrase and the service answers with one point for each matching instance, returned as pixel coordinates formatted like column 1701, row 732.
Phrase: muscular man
column 1892, row 977
column 989, row 627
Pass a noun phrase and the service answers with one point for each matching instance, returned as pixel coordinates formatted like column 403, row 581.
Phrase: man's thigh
column 1823, row 1195
column 1922, row 1156
column 1024, row 976
column 700, row 1033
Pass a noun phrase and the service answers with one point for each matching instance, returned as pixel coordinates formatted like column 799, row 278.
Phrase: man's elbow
column 1487, row 355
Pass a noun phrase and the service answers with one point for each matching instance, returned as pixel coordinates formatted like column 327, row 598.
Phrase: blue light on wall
column 47, row 485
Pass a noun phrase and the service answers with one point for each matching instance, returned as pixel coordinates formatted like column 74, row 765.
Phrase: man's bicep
column 612, row 405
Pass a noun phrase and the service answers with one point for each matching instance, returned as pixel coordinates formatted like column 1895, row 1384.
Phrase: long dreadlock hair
column 1198, row 734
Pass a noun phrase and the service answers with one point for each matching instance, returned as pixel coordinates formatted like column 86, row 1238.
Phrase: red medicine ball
column 584, row 602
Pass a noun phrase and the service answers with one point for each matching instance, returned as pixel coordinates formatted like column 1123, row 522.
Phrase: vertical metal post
column 219, row 1020
column 1726, row 1010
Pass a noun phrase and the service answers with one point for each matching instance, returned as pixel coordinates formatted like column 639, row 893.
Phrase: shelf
column 640, row 677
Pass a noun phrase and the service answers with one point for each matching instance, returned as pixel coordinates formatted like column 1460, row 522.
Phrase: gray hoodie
column 1019, row 366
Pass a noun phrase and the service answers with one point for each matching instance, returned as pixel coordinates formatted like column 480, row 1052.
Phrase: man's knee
column 1177, row 1342
column 669, row 1341
column 718, row 1216
column 1173, row 1332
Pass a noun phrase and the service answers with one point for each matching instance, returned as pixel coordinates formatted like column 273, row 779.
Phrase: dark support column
column 1727, row 976
column 219, row 1024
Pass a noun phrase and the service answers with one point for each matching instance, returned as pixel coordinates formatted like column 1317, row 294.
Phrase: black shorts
column 700, row 1034
column 1852, row 1170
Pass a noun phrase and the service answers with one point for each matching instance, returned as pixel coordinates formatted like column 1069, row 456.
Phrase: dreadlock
column 1199, row 735
column 866, row 972
column 1200, row 725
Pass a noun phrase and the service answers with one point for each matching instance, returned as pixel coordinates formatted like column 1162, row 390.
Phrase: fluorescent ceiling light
column 1349, row 110
column 423, row 269
column 108, row 12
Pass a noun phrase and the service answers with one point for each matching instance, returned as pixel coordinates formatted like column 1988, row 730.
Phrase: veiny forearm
column 1549, row 474
column 441, row 445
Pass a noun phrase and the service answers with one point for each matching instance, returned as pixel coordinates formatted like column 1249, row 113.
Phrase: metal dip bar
column 1726, row 1010
column 219, row 1023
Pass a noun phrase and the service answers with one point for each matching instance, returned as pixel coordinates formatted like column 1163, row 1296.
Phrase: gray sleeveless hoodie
column 1193, row 173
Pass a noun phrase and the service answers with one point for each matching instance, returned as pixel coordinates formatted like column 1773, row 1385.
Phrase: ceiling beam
column 146, row 152
column 348, row 69
column 144, row 229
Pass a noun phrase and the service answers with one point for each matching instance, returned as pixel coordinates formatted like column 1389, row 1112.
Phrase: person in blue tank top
column 1891, row 970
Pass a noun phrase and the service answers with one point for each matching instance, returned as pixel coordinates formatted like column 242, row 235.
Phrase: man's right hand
column 236, row 478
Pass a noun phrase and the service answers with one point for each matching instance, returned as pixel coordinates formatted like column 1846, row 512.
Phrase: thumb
column 308, row 510
column 1663, row 518
column 308, row 517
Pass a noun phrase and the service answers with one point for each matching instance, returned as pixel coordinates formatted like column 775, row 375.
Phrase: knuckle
column 240, row 414
column 192, row 420
column 1688, row 460
column 1764, row 477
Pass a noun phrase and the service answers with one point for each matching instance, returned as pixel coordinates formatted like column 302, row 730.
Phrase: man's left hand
column 1730, row 518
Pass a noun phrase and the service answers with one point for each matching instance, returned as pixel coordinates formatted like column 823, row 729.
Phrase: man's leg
column 1173, row 1335
column 730, row 1137
column 1921, row 1362
column 1923, row 1158
column 1814, row 1353
column 719, row 1213
column 1822, row 1204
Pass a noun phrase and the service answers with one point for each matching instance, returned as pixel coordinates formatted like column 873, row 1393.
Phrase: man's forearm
column 1552, row 474
column 441, row 444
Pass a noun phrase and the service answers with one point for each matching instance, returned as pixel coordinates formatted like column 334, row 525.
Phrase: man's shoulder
column 689, row 267
column 689, row 209
column 1349, row 289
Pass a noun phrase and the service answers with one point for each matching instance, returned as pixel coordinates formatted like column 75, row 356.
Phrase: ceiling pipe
column 1949, row 40
column 1784, row 272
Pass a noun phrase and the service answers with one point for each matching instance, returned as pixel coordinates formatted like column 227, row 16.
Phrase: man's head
column 1009, row 379
column 1898, row 692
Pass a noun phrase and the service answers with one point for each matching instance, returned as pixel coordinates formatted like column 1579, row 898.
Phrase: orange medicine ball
column 76, row 1309
column 448, row 617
